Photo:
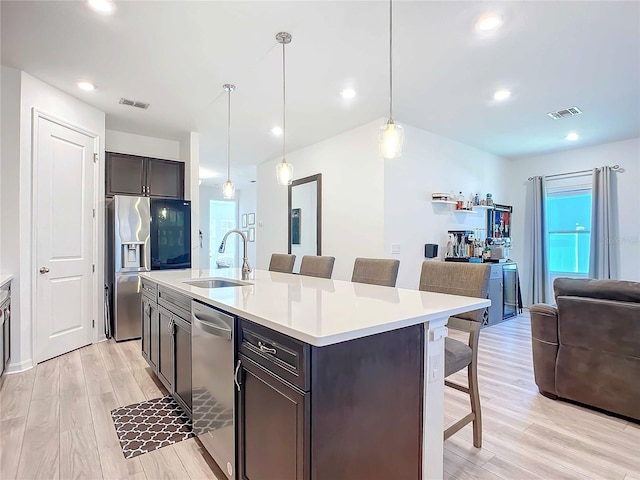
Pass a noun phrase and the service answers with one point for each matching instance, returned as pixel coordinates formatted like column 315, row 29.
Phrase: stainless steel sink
column 215, row 283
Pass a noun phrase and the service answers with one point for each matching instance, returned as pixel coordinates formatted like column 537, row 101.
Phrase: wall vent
column 567, row 112
column 134, row 103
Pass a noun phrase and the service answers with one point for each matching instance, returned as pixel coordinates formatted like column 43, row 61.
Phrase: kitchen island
column 361, row 368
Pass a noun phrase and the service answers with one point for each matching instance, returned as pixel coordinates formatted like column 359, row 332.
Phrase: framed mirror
column 305, row 217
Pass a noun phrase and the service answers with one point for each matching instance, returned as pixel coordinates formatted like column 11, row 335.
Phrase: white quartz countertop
column 316, row 310
column 4, row 278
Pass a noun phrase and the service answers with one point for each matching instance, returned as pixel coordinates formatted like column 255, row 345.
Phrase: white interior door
column 64, row 202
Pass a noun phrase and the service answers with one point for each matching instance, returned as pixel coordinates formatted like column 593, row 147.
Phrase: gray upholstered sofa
column 587, row 349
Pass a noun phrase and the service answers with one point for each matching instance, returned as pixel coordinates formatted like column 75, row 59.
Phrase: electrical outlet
column 435, row 365
column 395, row 248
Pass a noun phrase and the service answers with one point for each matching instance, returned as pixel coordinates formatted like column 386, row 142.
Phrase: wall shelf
column 465, row 211
column 475, row 210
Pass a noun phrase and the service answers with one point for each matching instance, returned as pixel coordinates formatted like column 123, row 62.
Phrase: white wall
column 627, row 155
column 247, row 204
column 431, row 163
column 352, row 199
column 370, row 203
column 122, row 142
column 17, row 202
column 189, row 149
column 10, row 172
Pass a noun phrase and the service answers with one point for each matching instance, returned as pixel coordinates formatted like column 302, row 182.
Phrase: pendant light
column 228, row 189
column 391, row 133
column 284, row 170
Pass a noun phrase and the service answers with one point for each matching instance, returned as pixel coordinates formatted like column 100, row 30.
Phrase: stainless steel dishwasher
column 213, row 385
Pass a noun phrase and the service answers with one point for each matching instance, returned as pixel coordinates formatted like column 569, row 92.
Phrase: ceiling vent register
column 567, row 112
column 134, row 103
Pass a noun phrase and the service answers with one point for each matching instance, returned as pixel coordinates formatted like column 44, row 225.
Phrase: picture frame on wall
column 252, row 235
column 252, row 219
column 244, row 220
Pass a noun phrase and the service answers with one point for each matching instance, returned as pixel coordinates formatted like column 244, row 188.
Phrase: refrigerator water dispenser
column 132, row 255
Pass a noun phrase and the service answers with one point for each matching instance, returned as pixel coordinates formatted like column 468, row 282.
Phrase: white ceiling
column 176, row 55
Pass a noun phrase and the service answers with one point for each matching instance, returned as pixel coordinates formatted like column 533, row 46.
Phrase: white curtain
column 538, row 282
column 602, row 261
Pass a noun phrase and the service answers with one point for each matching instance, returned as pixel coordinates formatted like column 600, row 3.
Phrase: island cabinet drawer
column 285, row 356
column 150, row 289
column 175, row 302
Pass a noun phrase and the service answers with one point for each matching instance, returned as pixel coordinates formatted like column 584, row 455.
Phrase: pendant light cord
column 284, row 102
column 390, row 60
column 229, row 135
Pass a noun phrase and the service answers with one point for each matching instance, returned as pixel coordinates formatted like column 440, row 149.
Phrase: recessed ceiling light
column 86, row 86
column 101, row 6
column 489, row 22
column 573, row 136
column 501, row 94
column 276, row 131
column 348, row 93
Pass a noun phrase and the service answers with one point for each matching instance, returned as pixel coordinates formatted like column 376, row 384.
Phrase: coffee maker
column 459, row 245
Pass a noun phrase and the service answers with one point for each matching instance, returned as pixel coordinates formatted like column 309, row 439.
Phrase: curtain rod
column 613, row 167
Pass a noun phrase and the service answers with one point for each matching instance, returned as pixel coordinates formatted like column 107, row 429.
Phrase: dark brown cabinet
column 166, row 339
column 150, row 324
column 182, row 363
column 165, row 342
column 152, row 177
column 295, row 399
column 273, row 427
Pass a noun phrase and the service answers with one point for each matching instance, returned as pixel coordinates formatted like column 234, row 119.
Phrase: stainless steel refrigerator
column 143, row 234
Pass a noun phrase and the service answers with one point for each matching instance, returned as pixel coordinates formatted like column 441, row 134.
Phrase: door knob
column 44, row 270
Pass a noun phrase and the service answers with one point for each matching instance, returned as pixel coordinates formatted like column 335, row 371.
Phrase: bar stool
column 376, row 271
column 470, row 280
column 317, row 266
column 282, row 263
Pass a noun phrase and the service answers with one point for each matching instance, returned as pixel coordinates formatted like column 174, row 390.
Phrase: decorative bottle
column 489, row 202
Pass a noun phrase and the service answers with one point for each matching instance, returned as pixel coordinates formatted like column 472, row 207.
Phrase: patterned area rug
column 146, row 426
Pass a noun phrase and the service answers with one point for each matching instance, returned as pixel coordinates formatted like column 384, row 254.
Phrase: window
column 222, row 218
column 568, row 208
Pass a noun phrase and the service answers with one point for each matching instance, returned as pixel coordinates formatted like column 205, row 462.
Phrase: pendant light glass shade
column 284, row 173
column 284, row 170
column 391, row 134
column 228, row 190
column 391, row 137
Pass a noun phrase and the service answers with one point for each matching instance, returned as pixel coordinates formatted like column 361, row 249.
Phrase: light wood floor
column 526, row 435
column 55, row 422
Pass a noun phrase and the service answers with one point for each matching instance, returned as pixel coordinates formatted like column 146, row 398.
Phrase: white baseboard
column 20, row 367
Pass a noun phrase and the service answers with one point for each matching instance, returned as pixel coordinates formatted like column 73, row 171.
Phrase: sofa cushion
column 457, row 356
column 600, row 379
column 600, row 325
column 620, row 290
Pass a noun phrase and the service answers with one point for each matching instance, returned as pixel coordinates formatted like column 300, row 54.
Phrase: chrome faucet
column 246, row 269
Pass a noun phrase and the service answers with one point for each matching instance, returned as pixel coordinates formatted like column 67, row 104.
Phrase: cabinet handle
column 263, row 348
column 235, row 375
